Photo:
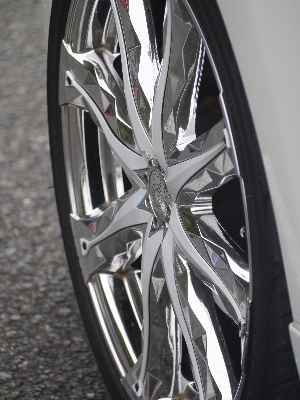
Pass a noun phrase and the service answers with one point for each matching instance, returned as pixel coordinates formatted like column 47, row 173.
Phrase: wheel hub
column 158, row 195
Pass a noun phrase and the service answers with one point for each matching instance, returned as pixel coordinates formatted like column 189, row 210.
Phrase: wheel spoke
column 133, row 289
column 182, row 172
column 138, row 60
column 96, row 299
column 127, row 215
column 150, row 248
column 110, row 295
column 187, row 104
column 200, row 316
column 129, row 160
column 182, row 87
column 168, row 264
column 112, row 254
column 205, row 230
column 203, row 267
column 163, row 377
column 147, row 66
column 111, row 172
column 157, row 138
column 75, row 160
column 199, row 325
column 94, row 71
column 216, row 243
column 91, row 167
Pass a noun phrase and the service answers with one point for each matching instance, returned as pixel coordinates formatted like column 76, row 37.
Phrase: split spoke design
column 127, row 215
column 203, row 268
column 168, row 263
column 103, row 85
column 157, row 211
column 75, row 160
column 150, row 249
column 126, row 157
column 180, row 173
column 140, row 65
column 157, row 137
column 200, row 317
column 186, row 61
column 121, row 223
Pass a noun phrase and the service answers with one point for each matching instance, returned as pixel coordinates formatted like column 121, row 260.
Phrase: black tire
column 270, row 367
column 59, row 15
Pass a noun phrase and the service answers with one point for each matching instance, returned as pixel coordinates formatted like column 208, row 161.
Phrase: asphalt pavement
column 44, row 351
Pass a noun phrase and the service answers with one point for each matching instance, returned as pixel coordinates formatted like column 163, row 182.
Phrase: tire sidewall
column 109, row 372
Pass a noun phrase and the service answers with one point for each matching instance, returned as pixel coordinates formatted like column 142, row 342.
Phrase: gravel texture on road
column 44, row 351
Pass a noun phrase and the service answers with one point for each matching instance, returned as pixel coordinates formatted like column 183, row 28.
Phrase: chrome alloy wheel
column 158, row 210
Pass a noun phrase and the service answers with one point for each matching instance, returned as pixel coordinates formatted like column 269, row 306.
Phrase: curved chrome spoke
column 129, row 160
column 96, row 299
column 150, row 248
column 216, row 244
column 75, row 159
column 163, row 377
column 157, row 138
column 182, row 172
column 109, row 294
column 111, row 172
column 168, row 264
column 106, row 283
column 198, row 262
column 131, row 51
column 182, row 86
column 148, row 65
column 128, row 215
column 80, row 134
column 209, row 238
column 95, row 72
column 133, row 289
column 203, row 326
column 113, row 254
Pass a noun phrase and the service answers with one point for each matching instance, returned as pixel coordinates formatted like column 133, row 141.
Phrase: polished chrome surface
column 167, row 277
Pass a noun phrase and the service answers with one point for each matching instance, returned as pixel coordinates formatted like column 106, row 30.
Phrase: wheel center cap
column 159, row 196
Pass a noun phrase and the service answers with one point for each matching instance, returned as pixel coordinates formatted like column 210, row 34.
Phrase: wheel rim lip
column 237, row 170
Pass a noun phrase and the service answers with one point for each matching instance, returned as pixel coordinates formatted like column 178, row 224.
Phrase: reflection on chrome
column 184, row 79
column 199, row 316
column 141, row 55
column 165, row 274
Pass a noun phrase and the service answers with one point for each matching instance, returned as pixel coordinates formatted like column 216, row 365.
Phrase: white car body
column 265, row 37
